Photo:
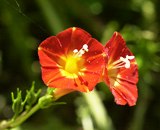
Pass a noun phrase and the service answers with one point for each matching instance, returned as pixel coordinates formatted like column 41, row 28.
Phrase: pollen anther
column 123, row 62
column 85, row 47
column 81, row 51
column 75, row 51
column 126, row 60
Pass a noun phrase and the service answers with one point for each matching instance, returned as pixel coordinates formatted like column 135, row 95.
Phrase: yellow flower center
column 71, row 66
column 73, row 63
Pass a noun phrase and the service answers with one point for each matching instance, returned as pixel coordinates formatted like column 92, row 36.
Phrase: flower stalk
column 20, row 119
column 28, row 108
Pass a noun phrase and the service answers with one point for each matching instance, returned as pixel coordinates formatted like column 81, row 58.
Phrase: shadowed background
column 24, row 24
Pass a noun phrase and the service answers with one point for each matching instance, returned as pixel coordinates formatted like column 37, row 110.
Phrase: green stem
column 98, row 111
column 19, row 120
column 43, row 102
column 24, row 116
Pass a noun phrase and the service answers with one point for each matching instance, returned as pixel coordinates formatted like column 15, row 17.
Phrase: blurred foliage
column 24, row 24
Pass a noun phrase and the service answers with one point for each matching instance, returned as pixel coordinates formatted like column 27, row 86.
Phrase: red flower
column 121, row 74
column 71, row 60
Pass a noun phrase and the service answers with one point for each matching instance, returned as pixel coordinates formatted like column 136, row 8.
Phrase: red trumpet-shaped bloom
column 71, row 60
column 121, row 73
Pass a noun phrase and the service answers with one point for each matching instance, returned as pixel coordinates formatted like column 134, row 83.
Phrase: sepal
column 32, row 96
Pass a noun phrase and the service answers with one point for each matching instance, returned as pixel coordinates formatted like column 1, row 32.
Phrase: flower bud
column 17, row 105
column 45, row 101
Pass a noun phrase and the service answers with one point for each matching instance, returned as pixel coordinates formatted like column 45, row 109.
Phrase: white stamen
column 129, row 57
column 75, row 51
column 123, row 62
column 81, row 51
column 127, row 65
column 85, row 47
column 126, row 60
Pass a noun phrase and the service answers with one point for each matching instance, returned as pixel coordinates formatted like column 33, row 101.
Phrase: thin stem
column 19, row 120
column 43, row 102
column 98, row 111
column 25, row 115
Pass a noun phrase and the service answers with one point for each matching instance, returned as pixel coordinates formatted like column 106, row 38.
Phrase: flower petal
column 94, row 63
column 116, row 48
column 56, row 49
column 123, row 86
column 73, row 38
column 121, row 81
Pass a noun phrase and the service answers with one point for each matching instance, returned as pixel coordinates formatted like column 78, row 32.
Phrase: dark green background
column 24, row 24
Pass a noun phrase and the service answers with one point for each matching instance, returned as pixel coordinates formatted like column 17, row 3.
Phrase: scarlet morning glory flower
column 121, row 74
column 71, row 60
